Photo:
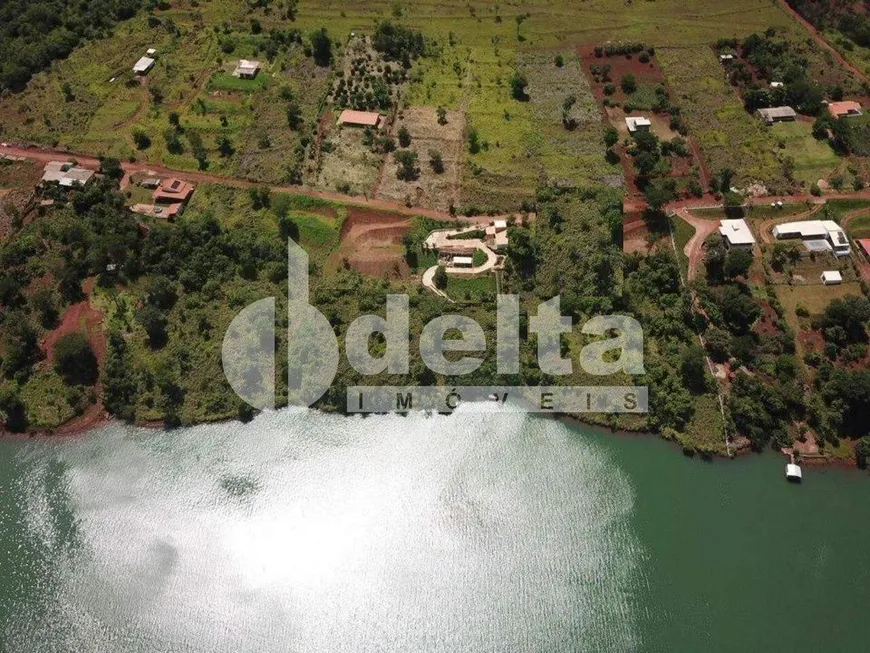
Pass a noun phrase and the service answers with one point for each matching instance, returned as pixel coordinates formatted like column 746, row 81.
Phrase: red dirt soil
column 371, row 241
column 81, row 318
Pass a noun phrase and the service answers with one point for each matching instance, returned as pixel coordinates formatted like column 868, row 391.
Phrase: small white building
column 776, row 85
column 143, row 66
column 151, row 52
column 831, row 278
column 726, row 57
column 793, row 473
column 463, row 261
column 737, row 234
column 246, row 69
column 637, row 124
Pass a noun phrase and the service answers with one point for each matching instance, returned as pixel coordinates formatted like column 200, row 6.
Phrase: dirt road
column 820, row 40
column 44, row 155
column 694, row 249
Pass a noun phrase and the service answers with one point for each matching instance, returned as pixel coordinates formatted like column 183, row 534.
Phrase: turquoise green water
column 477, row 532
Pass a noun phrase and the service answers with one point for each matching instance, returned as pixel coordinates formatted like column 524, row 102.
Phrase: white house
column 143, row 65
column 637, row 124
column 793, row 473
column 463, row 261
column 737, row 234
column 831, row 277
column 815, row 230
column 777, row 114
column 66, row 174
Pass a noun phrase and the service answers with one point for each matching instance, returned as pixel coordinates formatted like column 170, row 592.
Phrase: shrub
column 75, row 361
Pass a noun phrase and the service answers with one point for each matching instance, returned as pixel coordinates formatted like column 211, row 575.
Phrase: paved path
column 429, row 282
column 694, row 249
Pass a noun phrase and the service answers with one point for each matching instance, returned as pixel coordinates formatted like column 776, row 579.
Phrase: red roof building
column 173, row 190
column 864, row 244
column 844, row 109
column 359, row 118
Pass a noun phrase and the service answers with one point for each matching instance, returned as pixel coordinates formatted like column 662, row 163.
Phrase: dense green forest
column 33, row 33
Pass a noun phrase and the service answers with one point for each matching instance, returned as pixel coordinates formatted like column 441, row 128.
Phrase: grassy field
column 478, row 46
column 728, row 135
column 813, row 159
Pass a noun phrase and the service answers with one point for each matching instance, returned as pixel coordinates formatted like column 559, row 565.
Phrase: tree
column 442, row 115
column 225, row 146
column 737, row 263
column 693, row 367
column 198, row 149
column 13, row 414
column 141, row 139
column 739, row 309
column 155, row 323
column 718, row 343
column 659, row 192
column 473, row 141
column 174, row 119
column 321, row 47
column 440, row 278
column 404, row 137
column 75, row 361
column 851, row 313
column 611, row 137
column 518, row 84
column 407, row 161
column 628, row 84
column 111, row 167
column 436, row 161
column 261, row 197
column 294, row 115
column 173, row 142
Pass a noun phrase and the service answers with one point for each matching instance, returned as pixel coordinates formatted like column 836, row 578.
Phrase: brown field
column 430, row 190
column 346, row 160
column 371, row 243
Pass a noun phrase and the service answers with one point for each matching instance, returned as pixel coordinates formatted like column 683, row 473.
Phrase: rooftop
column 778, row 113
column 246, row 67
column 143, row 65
column 363, row 118
column 633, row 122
column 736, row 232
column 66, row 173
column 838, row 109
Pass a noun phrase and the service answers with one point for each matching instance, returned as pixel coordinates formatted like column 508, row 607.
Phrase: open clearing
column 371, row 242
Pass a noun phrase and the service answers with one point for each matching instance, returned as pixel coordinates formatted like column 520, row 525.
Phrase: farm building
column 864, row 244
column 737, row 234
column 777, row 114
column 844, row 109
column 810, row 230
column 831, row 277
column 726, row 57
column 246, row 69
column 151, row 52
column 143, row 65
column 637, row 124
column 173, row 190
column 66, row 173
column 360, row 118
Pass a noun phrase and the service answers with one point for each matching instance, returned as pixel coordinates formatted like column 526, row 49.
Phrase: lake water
column 490, row 533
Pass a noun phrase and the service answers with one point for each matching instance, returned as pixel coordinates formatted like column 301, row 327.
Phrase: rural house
column 66, row 173
column 173, row 190
column 737, row 234
column 246, row 69
column 844, row 109
column 777, row 114
column 143, row 66
column 637, row 124
column 812, row 231
column 360, row 118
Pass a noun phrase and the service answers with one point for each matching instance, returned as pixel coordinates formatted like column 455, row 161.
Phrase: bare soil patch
column 371, row 243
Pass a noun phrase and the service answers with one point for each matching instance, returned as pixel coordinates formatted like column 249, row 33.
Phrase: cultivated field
column 439, row 190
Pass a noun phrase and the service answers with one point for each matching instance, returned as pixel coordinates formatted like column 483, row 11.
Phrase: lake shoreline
column 89, row 421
